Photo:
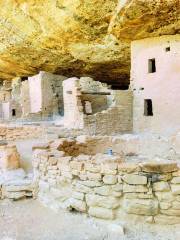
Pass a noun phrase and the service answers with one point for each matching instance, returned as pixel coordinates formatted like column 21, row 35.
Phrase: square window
column 168, row 49
column 13, row 112
column 148, row 107
column 151, row 65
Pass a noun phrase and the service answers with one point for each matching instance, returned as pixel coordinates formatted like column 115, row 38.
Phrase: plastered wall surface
column 35, row 92
column 162, row 86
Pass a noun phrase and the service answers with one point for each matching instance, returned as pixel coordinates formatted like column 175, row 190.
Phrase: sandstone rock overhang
column 76, row 37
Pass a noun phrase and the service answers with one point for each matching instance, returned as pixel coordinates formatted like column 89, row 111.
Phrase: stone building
column 94, row 107
column 9, row 100
column 42, row 96
column 155, row 71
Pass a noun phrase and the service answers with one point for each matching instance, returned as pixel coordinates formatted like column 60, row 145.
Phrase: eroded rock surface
column 79, row 37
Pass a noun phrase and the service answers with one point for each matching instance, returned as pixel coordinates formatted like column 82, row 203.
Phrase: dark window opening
column 13, row 112
column 119, row 87
column 152, row 65
column 148, row 107
column 23, row 79
column 168, row 49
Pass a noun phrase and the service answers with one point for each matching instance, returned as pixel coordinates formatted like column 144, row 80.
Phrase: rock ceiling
column 79, row 37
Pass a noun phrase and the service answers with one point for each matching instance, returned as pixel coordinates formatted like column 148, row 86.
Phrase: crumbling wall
column 107, row 111
column 13, row 133
column 155, row 65
column 9, row 157
column 105, row 186
column 73, row 109
column 116, row 119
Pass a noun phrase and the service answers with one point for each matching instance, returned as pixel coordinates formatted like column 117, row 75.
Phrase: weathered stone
column 128, row 167
column 176, row 205
column 100, row 212
column 13, row 187
column 141, row 206
column 164, row 219
column 82, row 188
column 117, row 194
column 175, row 188
column 120, row 179
column 135, row 179
column 77, row 165
column 176, row 174
column 161, row 187
column 53, row 160
column 14, row 195
column 165, row 205
column 78, row 195
column 90, row 183
column 159, row 167
column 78, row 205
column 67, row 174
column 9, row 157
column 40, row 146
column 102, row 201
column 171, row 212
column 138, row 195
column 109, row 169
column 134, row 188
column 110, row 179
column 165, row 177
column 94, row 176
column 175, row 180
column 150, row 219
column 117, row 187
column 92, row 167
column 104, row 190
column 165, row 196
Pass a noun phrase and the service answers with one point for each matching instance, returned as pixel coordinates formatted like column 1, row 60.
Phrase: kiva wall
column 161, row 85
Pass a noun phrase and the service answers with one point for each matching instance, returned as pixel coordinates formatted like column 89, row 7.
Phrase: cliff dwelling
column 89, row 120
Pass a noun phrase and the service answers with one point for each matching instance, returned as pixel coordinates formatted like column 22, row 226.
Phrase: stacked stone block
column 103, row 186
column 20, row 132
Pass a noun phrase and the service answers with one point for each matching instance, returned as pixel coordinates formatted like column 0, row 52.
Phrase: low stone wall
column 14, row 182
column 105, row 186
column 15, row 185
column 20, row 132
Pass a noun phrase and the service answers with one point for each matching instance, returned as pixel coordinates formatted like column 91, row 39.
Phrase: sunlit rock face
column 79, row 37
column 137, row 19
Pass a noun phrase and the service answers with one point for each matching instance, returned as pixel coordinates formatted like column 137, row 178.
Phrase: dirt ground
column 29, row 220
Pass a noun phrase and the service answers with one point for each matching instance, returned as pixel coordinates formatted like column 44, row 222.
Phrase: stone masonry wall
column 106, row 186
column 8, row 133
column 115, row 118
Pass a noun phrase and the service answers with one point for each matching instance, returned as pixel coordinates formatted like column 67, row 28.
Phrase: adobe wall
column 162, row 86
column 106, row 186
